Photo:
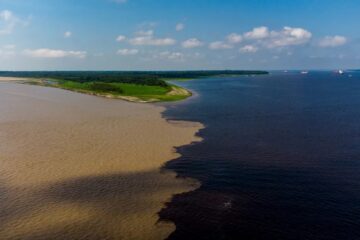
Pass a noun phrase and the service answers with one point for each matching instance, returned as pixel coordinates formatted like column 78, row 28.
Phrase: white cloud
column 6, row 15
column 127, row 52
column 179, row 27
column 248, row 49
column 219, row 45
column 7, row 51
column 67, row 34
column 8, row 21
column 257, row 33
column 146, row 38
column 120, row 38
column 145, row 33
column 332, row 41
column 262, row 37
column 192, row 43
column 152, row 41
column 9, row 46
column 147, row 25
column 234, row 38
column 176, row 56
column 288, row 36
column 53, row 53
column 170, row 55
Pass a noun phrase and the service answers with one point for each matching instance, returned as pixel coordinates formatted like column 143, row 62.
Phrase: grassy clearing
column 126, row 91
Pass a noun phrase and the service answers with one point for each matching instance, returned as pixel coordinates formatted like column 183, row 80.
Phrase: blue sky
column 179, row 34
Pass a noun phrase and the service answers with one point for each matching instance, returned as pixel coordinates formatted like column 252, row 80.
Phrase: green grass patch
column 133, row 92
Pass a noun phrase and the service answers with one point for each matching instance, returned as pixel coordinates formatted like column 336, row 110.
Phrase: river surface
column 280, row 158
column 80, row 167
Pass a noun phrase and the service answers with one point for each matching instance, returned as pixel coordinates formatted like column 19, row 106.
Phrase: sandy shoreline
column 80, row 167
column 12, row 79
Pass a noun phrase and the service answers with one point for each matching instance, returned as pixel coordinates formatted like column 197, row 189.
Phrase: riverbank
column 124, row 91
column 76, row 166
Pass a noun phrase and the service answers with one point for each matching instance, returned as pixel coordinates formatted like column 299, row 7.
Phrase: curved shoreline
column 86, row 165
column 175, row 93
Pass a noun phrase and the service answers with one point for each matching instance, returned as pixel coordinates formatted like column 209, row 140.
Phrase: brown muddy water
column 74, row 166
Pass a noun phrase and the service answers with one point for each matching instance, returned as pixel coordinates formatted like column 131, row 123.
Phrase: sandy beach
column 12, row 79
column 75, row 166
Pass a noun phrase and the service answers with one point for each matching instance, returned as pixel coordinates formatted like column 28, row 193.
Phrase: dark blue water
column 280, row 158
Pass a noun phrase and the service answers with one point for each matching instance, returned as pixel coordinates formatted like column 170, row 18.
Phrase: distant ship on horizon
column 304, row 72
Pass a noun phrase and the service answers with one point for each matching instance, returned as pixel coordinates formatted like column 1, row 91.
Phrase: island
column 134, row 86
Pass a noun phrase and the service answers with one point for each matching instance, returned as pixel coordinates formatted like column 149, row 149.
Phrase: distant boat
column 304, row 72
column 341, row 72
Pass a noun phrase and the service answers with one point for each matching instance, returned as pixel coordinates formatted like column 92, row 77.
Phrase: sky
column 179, row 34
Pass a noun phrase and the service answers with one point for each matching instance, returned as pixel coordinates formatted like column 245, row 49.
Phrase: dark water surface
column 280, row 158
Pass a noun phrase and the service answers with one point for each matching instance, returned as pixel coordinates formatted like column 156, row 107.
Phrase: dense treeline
column 151, row 78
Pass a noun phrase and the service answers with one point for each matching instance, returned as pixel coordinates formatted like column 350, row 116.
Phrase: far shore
column 174, row 93
column 133, row 86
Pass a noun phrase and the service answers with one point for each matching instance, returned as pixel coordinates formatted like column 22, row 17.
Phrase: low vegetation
column 126, row 91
